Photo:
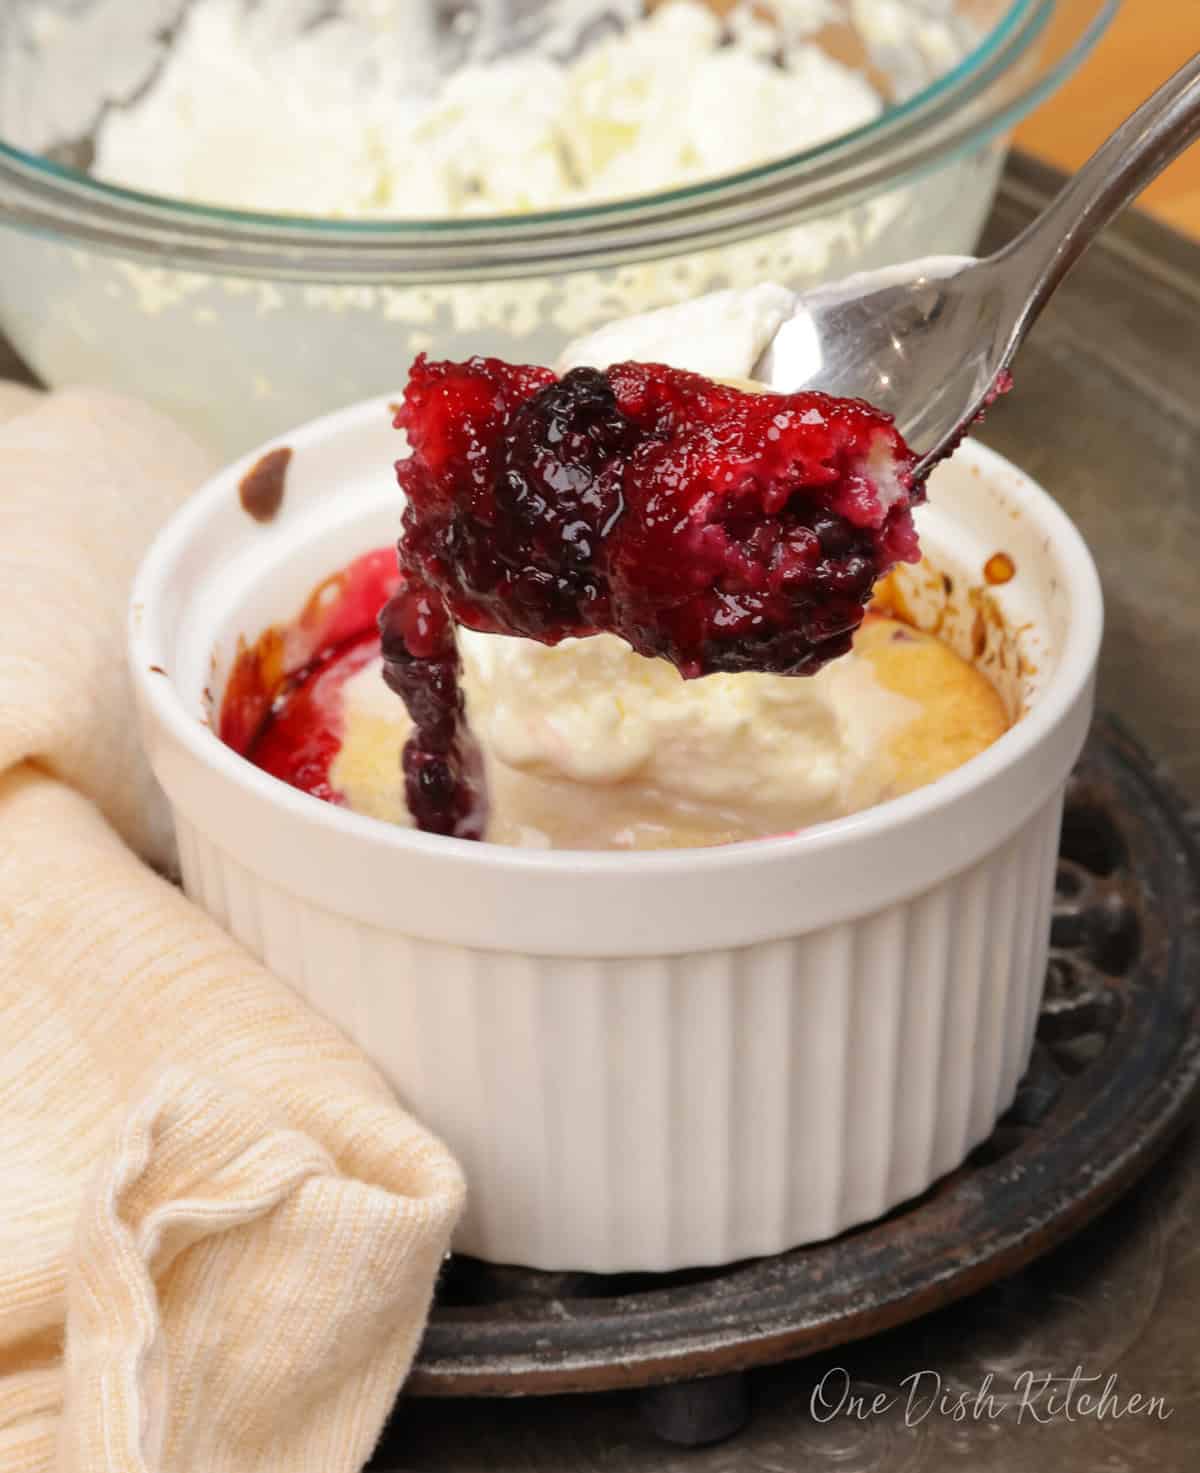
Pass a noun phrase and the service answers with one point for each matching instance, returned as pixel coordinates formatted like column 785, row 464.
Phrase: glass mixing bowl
column 243, row 324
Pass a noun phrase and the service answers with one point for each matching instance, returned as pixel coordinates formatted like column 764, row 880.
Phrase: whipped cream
column 721, row 334
column 747, row 753
column 588, row 744
column 281, row 107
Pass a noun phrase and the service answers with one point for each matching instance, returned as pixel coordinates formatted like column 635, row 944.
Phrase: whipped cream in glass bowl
column 251, row 214
column 348, row 114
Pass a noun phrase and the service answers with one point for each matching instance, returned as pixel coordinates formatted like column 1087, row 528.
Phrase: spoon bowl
column 888, row 337
column 931, row 341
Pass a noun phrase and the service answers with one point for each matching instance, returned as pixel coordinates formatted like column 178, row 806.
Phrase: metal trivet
column 1113, row 1076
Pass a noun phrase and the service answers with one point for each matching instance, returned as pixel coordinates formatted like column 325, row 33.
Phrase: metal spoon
column 931, row 341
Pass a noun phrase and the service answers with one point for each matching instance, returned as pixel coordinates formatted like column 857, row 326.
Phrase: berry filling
column 287, row 658
column 719, row 529
column 303, row 735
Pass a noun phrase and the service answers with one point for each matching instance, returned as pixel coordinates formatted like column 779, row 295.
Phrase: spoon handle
column 1161, row 129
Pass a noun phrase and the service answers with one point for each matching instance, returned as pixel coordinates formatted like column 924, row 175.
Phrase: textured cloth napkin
column 218, row 1230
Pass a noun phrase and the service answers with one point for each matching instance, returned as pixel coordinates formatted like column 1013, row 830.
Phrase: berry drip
column 443, row 767
column 718, row 529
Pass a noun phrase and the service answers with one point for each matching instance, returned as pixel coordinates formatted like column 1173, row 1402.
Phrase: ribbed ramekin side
column 654, row 1113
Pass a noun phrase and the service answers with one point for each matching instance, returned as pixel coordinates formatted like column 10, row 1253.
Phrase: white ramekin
column 653, row 1060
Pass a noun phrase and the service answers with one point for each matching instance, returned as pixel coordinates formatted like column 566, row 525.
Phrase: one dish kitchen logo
column 1027, row 1398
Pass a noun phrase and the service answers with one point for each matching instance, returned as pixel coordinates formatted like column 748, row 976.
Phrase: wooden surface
column 1148, row 41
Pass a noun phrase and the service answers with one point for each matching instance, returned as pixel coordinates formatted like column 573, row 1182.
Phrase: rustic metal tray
column 1107, row 415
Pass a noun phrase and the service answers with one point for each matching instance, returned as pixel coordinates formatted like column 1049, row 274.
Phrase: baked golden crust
column 958, row 710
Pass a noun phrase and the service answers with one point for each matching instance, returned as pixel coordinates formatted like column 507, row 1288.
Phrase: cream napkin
column 218, row 1231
